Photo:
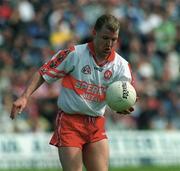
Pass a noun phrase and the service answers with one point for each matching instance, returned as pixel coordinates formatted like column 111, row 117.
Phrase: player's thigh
column 70, row 158
column 96, row 156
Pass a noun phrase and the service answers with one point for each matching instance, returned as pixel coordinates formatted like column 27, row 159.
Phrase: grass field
column 145, row 168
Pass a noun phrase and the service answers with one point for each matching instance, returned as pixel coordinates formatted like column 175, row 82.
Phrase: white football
column 120, row 95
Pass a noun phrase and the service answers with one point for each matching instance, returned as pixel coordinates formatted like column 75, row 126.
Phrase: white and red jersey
column 84, row 81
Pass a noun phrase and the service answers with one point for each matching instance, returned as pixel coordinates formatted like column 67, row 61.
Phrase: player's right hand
column 126, row 112
column 18, row 107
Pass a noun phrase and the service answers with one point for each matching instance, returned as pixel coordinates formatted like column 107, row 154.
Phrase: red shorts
column 77, row 130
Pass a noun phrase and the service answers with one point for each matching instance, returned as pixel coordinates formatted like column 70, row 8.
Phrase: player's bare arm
column 21, row 102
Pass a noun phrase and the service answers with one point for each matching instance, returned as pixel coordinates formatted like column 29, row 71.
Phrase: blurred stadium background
column 31, row 31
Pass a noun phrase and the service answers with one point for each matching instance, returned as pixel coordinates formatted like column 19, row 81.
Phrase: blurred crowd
column 31, row 31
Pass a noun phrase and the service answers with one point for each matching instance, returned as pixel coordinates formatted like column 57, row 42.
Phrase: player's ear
column 93, row 32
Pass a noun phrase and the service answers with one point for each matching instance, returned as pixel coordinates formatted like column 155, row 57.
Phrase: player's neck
column 100, row 58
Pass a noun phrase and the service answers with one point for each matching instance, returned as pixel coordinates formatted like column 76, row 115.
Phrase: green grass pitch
column 142, row 168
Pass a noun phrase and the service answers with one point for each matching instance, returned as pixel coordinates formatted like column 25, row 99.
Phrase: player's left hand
column 126, row 112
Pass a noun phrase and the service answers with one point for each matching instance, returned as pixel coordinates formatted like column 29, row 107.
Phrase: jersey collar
column 92, row 51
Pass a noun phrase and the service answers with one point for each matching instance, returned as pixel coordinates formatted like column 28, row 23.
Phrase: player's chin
column 107, row 52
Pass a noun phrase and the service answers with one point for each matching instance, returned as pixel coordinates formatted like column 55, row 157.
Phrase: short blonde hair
column 110, row 21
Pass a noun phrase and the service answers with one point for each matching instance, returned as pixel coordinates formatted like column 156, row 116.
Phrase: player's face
column 104, row 41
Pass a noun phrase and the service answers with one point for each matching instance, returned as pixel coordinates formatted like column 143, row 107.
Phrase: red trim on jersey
column 56, row 76
column 40, row 71
column 56, row 71
column 108, row 59
column 83, row 88
column 51, row 75
column 69, row 82
column 51, row 72
column 60, row 57
column 54, row 63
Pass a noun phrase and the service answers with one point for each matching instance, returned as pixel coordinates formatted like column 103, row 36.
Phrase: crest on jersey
column 86, row 69
column 107, row 75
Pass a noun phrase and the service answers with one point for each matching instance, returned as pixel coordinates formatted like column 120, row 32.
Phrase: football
column 120, row 95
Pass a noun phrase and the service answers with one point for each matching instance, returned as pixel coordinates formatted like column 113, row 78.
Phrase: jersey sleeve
column 126, row 73
column 58, row 66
